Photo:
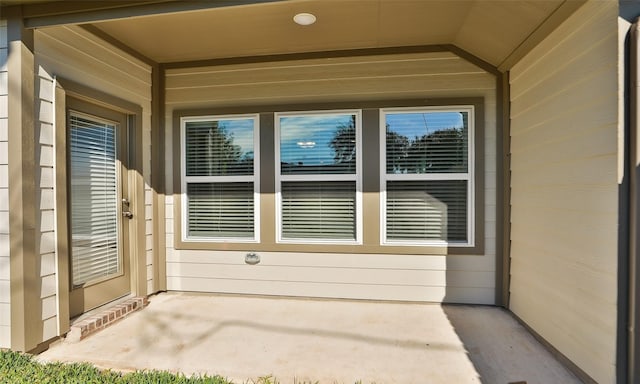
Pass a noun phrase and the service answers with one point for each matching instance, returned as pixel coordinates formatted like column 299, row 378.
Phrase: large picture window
column 427, row 176
column 318, row 177
column 219, row 178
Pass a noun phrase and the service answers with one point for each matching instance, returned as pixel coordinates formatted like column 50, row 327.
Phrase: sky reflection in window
column 427, row 142
column 311, row 144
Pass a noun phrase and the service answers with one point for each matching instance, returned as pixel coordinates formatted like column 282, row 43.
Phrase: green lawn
column 18, row 368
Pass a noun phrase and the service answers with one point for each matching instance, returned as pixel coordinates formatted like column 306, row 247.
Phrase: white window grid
column 357, row 177
column 469, row 176
column 255, row 178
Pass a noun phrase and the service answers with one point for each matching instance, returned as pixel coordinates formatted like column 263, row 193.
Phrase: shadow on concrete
column 502, row 350
column 320, row 340
column 169, row 325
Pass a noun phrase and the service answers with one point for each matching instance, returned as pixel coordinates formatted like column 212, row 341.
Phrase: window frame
column 121, row 129
column 469, row 176
column 484, row 229
column 185, row 180
column 320, row 177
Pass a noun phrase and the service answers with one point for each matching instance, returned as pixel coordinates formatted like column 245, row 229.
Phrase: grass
column 19, row 368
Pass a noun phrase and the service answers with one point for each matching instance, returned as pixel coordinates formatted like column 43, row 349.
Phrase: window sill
column 319, row 242
column 334, row 248
column 219, row 241
column 401, row 243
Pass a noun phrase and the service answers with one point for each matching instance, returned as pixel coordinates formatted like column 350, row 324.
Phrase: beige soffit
column 491, row 30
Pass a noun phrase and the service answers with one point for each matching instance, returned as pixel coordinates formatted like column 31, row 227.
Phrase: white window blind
column 427, row 210
column 319, row 210
column 219, row 177
column 220, row 210
column 317, row 176
column 427, row 181
column 94, row 199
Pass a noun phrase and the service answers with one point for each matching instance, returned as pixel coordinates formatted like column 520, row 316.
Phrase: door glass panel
column 94, row 199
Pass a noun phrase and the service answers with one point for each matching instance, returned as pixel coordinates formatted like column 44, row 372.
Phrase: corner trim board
column 26, row 308
column 503, row 191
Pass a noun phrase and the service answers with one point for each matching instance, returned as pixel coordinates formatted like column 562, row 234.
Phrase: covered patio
column 246, row 337
column 532, row 221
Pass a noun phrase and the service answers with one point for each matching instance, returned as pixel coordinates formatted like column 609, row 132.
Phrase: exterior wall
column 45, row 198
column 564, row 165
column 76, row 55
column 436, row 278
column 5, row 296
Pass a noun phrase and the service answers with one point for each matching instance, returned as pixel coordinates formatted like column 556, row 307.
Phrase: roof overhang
column 497, row 32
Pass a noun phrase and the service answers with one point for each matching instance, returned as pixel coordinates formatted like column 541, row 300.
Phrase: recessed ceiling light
column 304, row 18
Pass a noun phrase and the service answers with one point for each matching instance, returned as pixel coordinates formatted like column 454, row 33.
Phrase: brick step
column 102, row 319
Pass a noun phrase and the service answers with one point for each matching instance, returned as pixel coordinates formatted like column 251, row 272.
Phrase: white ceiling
column 489, row 29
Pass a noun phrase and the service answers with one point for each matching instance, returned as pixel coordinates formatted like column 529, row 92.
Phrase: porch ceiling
column 494, row 31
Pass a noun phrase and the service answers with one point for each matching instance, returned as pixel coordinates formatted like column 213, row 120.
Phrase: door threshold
column 99, row 318
column 102, row 308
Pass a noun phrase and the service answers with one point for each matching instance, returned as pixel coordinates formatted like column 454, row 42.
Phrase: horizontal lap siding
column 5, row 295
column 434, row 278
column 74, row 54
column 45, row 244
column 564, row 215
column 327, row 80
column 357, row 276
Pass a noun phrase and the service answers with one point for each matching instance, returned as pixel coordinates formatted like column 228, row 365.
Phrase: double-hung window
column 427, row 176
column 318, row 177
column 220, row 178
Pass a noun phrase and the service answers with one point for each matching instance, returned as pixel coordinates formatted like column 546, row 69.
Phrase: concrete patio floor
column 329, row 341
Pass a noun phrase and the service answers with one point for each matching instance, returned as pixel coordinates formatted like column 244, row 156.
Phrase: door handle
column 125, row 205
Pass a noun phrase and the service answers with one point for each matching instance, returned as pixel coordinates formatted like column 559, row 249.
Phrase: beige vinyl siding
column 433, row 278
column 356, row 276
column 5, row 296
column 45, row 198
column 564, row 164
column 73, row 54
column 440, row 74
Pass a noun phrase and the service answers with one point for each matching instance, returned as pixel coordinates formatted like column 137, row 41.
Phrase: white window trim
column 255, row 178
column 357, row 177
column 469, row 176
